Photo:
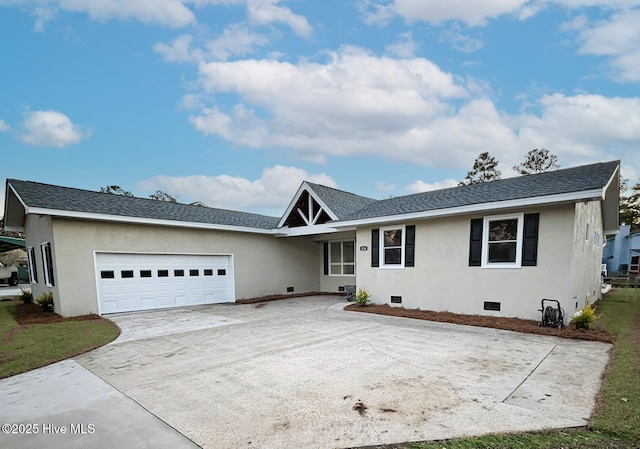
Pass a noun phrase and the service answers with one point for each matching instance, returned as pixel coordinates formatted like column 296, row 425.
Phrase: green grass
column 541, row 440
column 619, row 408
column 23, row 348
column 616, row 422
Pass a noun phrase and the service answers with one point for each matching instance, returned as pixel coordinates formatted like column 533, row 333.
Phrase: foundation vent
column 396, row 300
column 491, row 305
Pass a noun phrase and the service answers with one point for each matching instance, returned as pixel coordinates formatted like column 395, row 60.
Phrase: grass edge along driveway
column 24, row 347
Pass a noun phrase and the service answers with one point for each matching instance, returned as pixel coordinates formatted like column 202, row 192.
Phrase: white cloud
column 619, row 38
column 356, row 103
column 50, row 128
column 405, row 47
column 472, row 13
column 236, row 40
column 421, row 186
column 384, row 186
column 179, row 50
column 266, row 12
column 461, row 41
column 475, row 13
column 3, row 126
column 42, row 15
column 582, row 125
column 269, row 194
column 172, row 13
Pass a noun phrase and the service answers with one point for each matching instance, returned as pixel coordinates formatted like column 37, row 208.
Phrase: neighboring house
column 495, row 248
column 622, row 252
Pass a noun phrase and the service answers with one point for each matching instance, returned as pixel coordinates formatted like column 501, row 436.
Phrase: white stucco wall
column 586, row 256
column 263, row 264
column 38, row 231
column 442, row 279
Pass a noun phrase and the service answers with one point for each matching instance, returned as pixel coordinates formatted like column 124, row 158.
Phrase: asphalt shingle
column 346, row 206
column 37, row 195
column 340, row 202
column 570, row 180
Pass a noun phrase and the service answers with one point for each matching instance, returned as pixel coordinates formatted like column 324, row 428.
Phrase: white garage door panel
column 130, row 282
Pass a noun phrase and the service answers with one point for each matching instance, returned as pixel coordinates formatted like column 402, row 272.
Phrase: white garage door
column 128, row 282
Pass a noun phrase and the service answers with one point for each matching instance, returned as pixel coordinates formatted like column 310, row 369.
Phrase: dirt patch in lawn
column 595, row 333
column 34, row 314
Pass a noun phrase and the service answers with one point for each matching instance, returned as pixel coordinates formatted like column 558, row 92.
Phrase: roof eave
column 149, row 221
column 474, row 208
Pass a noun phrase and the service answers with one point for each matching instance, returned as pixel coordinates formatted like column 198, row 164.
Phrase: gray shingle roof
column 347, row 206
column 570, row 180
column 37, row 195
column 340, row 202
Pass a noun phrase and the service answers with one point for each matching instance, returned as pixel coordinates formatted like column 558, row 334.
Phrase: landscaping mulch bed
column 287, row 296
column 34, row 314
column 595, row 333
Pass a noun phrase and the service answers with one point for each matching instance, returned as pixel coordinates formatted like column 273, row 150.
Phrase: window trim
column 401, row 265
column 342, row 263
column 519, row 237
column 47, row 263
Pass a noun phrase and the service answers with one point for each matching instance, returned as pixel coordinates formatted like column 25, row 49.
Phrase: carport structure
column 11, row 243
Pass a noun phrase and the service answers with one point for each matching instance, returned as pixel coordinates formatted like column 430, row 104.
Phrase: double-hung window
column 342, row 258
column 47, row 263
column 502, row 241
column 392, row 240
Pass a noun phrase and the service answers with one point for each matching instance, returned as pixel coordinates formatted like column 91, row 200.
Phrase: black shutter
column 410, row 246
column 530, row 240
column 475, row 243
column 325, row 250
column 375, row 247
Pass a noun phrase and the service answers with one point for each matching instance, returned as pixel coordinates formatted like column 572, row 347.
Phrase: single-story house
column 622, row 252
column 495, row 248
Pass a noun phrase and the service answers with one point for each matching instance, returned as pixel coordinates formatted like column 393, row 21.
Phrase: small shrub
column 26, row 296
column 45, row 301
column 362, row 297
column 585, row 317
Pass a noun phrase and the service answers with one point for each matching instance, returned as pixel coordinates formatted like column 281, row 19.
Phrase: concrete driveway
column 287, row 374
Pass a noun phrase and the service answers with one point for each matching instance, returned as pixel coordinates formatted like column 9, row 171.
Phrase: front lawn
column 46, row 338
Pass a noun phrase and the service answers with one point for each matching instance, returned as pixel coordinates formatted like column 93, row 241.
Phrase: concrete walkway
column 288, row 373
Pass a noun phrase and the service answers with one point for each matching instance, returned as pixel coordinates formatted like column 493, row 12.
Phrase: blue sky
column 235, row 102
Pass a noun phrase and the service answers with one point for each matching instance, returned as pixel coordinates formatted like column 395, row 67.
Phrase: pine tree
column 537, row 161
column 485, row 168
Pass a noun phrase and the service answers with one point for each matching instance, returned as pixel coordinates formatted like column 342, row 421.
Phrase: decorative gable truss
column 306, row 209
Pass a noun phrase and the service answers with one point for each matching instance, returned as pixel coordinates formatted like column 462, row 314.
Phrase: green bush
column 362, row 297
column 45, row 301
column 26, row 296
column 585, row 318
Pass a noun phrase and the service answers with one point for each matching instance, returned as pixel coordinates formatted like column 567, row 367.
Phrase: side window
column 504, row 241
column 393, row 247
column 47, row 264
column 33, row 271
